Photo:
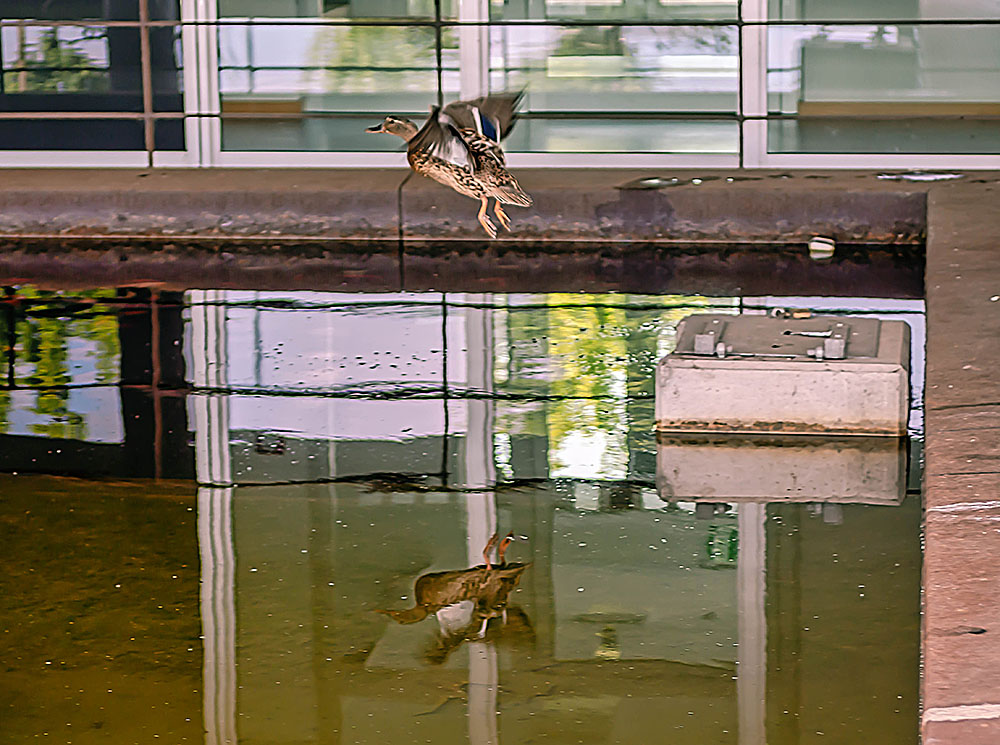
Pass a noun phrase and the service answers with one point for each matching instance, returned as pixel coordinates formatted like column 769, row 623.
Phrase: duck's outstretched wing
column 440, row 138
column 491, row 116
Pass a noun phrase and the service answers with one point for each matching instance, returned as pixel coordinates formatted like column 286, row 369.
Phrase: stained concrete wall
column 389, row 230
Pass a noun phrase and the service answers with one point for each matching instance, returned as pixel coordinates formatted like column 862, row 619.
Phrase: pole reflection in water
column 480, row 473
column 347, row 447
column 218, row 614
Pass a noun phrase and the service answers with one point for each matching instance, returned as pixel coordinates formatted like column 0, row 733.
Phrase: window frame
column 199, row 21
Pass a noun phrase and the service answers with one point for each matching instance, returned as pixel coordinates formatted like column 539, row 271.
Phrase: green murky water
column 209, row 497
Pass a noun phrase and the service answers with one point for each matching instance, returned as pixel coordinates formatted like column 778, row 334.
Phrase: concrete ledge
column 201, row 204
column 961, row 631
column 389, row 205
column 722, row 206
column 388, row 229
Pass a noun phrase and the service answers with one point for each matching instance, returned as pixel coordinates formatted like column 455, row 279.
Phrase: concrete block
column 817, row 375
column 763, row 468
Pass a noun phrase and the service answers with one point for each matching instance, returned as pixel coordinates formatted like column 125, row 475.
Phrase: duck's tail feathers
column 410, row 615
column 512, row 195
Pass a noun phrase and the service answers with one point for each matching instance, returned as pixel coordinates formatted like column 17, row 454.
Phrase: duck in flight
column 459, row 146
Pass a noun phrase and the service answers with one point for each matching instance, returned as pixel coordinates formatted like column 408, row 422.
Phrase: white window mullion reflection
column 211, row 409
column 484, row 680
column 218, row 614
column 480, row 466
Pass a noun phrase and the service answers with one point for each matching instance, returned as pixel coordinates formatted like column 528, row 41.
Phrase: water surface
column 212, row 497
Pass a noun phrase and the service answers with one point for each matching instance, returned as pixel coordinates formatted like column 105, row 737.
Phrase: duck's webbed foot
column 501, row 215
column 484, row 220
column 508, row 539
column 489, row 547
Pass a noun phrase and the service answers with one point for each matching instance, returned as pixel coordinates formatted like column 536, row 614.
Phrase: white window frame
column 193, row 45
column 128, row 158
column 753, row 66
column 203, row 127
column 474, row 60
column 73, row 158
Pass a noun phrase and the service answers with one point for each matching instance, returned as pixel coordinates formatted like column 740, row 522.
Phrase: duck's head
column 395, row 125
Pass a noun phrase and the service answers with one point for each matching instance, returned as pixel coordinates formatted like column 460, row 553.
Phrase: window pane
column 168, row 134
column 884, row 10
column 71, row 134
column 335, row 9
column 612, row 10
column 618, row 68
column 166, row 60
column 332, row 68
column 91, row 66
column 917, row 135
column 885, row 88
column 88, row 10
column 623, row 136
column 86, row 68
column 283, row 74
column 344, row 133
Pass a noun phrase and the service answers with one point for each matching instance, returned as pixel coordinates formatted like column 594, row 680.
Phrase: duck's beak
column 376, row 128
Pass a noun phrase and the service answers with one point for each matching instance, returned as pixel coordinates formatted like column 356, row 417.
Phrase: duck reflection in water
column 465, row 601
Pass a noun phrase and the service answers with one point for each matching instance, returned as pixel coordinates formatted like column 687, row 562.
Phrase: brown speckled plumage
column 459, row 146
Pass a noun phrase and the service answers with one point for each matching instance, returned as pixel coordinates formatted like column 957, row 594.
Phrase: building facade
column 666, row 83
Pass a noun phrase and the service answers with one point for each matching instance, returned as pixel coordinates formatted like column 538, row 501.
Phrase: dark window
column 86, row 68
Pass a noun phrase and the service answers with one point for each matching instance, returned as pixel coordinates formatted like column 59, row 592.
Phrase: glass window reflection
column 884, row 88
column 281, row 84
column 338, row 9
column 618, row 68
column 885, row 10
column 88, row 10
column 69, row 68
column 67, row 59
column 613, row 10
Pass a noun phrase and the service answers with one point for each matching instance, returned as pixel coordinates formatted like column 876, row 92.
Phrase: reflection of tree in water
column 600, row 364
column 367, row 51
column 43, row 335
column 46, row 348
column 589, row 345
column 6, row 342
